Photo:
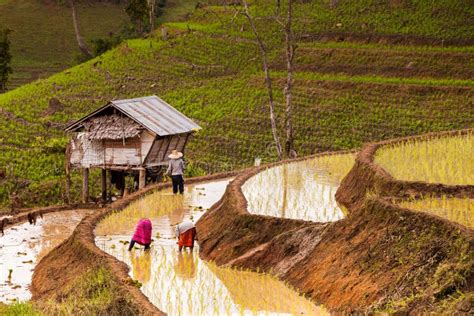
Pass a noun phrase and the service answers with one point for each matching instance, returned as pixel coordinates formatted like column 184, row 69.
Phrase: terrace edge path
column 372, row 260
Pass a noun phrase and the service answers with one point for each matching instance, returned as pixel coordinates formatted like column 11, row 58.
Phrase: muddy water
column 302, row 190
column 459, row 210
column 24, row 245
column 183, row 284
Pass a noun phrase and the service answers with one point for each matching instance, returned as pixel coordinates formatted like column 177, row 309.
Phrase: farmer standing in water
column 186, row 234
column 176, row 170
column 142, row 234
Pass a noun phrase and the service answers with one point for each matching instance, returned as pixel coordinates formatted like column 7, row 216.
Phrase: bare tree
column 80, row 41
column 151, row 12
column 290, row 54
column 268, row 81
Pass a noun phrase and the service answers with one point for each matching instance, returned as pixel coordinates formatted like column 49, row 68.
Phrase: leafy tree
column 101, row 45
column 5, row 58
column 138, row 12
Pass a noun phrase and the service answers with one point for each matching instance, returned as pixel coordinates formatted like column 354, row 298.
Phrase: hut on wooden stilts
column 133, row 136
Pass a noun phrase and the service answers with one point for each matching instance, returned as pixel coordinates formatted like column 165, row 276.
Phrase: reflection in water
column 185, row 266
column 263, row 292
column 302, row 190
column 24, row 245
column 141, row 265
column 183, row 284
column 459, row 210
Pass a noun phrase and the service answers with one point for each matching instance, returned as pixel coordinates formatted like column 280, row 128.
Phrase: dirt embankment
column 368, row 177
column 392, row 39
column 380, row 257
column 58, row 272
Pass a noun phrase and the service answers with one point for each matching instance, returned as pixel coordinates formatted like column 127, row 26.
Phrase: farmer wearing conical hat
column 176, row 170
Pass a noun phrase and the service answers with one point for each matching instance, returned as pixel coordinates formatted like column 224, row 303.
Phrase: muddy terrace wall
column 380, row 256
column 367, row 176
column 57, row 272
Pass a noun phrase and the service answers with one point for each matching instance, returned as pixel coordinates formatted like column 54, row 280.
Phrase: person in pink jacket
column 142, row 235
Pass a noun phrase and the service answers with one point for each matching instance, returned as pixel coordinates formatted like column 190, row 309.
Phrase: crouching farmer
column 186, row 234
column 142, row 235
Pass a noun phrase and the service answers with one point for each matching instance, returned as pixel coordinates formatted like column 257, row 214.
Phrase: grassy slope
column 213, row 75
column 94, row 293
column 43, row 38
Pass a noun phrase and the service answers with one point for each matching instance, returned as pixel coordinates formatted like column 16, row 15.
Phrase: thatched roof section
column 111, row 127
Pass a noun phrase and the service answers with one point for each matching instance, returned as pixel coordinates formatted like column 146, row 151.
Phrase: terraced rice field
column 447, row 160
column 458, row 210
column 183, row 284
column 24, row 245
column 301, row 190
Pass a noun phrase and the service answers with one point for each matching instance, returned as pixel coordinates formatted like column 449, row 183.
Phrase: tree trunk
column 80, row 41
column 290, row 51
column 67, row 169
column 85, row 185
column 268, row 80
column 151, row 12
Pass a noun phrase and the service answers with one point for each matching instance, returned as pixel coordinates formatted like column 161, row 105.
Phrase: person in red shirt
column 186, row 234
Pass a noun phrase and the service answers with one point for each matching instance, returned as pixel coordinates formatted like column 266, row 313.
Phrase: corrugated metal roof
column 156, row 115
column 152, row 112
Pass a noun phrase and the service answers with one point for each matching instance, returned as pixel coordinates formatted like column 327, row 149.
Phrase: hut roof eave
column 151, row 112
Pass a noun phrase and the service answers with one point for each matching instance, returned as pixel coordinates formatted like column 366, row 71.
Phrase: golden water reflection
column 301, row 190
column 183, row 284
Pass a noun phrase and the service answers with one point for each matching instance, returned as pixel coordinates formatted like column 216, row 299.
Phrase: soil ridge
column 380, row 257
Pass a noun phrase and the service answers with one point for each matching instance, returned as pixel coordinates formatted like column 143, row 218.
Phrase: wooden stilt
column 85, row 185
column 141, row 178
column 122, row 183
column 104, row 185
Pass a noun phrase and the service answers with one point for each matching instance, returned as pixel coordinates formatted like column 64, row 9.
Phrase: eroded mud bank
column 380, row 256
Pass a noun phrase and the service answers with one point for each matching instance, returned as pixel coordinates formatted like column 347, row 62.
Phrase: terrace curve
column 370, row 260
column 368, row 176
column 367, row 261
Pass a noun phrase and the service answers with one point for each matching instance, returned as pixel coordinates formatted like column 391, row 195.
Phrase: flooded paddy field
column 182, row 283
column 458, row 210
column 447, row 160
column 23, row 246
column 301, row 190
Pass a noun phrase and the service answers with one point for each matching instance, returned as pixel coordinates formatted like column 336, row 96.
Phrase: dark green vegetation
column 43, row 40
column 345, row 93
column 5, row 58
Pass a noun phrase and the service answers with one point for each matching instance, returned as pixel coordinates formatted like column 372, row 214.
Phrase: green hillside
column 346, row 93
column 43, row 40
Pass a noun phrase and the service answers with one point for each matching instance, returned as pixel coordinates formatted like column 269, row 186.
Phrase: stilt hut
column 127, row 136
